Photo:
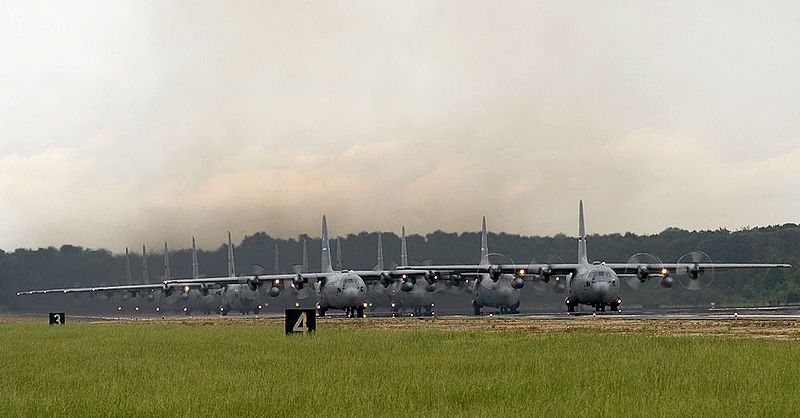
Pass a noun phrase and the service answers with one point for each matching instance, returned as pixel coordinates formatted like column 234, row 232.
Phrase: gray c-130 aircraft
column 594, row 284
column 339, row 290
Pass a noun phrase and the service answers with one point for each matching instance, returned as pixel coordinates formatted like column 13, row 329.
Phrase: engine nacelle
column 274, row 291
column 385, row 279
column 667, row 282
column 517, row 283
column 253, row 283
column 694, row 272
column 545, row 272
column 431, row 277
column 494, row 273
column 299, row 281
column 642, row 273
column 407, row 285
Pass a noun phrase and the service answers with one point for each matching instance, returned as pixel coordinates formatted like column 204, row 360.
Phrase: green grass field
column 252, row 369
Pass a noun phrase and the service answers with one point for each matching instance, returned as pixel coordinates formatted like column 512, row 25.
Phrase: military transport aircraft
column 597, row 284
column 406, row 293
column 489, row 286
column 328, row 289
column 345, row 290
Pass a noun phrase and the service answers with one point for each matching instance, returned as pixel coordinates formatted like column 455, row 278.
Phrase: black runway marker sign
column 301, row 321
column 57, row 318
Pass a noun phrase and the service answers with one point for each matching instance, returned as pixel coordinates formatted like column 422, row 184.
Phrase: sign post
column 300, row 321
column 57, row 318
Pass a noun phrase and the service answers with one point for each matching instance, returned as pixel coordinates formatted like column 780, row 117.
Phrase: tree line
column 70, row 266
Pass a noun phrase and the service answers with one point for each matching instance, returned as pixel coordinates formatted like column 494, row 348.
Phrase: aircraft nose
column 350, row 294
column 604, row 289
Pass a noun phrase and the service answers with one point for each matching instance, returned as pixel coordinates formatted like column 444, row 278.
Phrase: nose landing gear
column 570, row 305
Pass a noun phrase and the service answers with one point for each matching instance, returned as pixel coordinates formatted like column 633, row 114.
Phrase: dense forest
column 69, row 266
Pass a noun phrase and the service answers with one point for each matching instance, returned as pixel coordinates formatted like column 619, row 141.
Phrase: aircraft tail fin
column 195, row 265
column 380, row 266
column 128, row 267
column 403, row 248
column 277, row 266
column 338, row 254
column 145, row 272
column 231, row 262
column 484, row 244
column 305, row 256
column 583, row 257
column 167, row 272
column 327, row 267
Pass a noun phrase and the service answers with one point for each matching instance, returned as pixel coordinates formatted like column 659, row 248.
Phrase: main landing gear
column 504, row 309
column 357, row 312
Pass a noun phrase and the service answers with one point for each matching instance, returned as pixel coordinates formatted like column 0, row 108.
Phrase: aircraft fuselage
column 341, row 291
column 499, row 294
column 594, row 285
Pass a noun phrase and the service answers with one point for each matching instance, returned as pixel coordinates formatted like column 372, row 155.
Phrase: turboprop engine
column 274, row 290
column 494, row 273
column 299, row 281
column 408, row 284
column 385, row 279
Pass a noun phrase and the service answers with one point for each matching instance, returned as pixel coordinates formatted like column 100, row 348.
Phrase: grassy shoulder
column 252, row 369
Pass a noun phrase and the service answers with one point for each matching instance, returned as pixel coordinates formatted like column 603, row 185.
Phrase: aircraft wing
column 666, row 269
column 121, row 288
column 375, row 275
column 249, row 279
column 515, row 269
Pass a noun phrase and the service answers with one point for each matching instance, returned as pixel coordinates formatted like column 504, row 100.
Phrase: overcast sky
column 124, row 122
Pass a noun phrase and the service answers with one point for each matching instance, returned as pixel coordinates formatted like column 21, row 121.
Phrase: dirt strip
column 736, row 328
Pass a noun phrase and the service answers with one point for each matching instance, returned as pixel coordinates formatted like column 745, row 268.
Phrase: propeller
column 494, row 273
column 640, row 274
column 545, row 274
column 689, row 273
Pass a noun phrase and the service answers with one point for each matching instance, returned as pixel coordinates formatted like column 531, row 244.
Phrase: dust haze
column 129, row 122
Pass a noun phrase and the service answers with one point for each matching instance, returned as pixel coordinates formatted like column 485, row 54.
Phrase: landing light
column 186, row 309
column 277, row 281
column 664, row 272
column 365, row 304
column 137, row 309
column 405, row 276
column 392, row 304
column 521, row 272
column 158, row 309
column 297, row 304
column 186, row 289
column 260, row 307
column 119, row 308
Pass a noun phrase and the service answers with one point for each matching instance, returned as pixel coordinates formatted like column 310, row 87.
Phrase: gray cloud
column 133, row 121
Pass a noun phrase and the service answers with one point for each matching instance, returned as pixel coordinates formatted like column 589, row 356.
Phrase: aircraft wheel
column 515, row 308
column 476, row 308
column 614, row 307
column 322, row 312
column 359, row 312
